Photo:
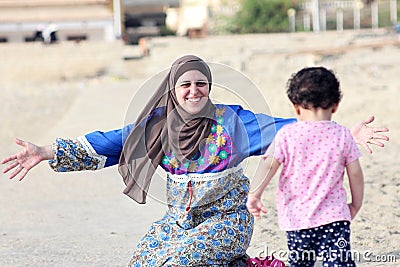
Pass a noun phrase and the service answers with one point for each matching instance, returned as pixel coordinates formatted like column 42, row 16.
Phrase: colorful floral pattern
column 71, row 155
column 215, row 230
column 214, row 156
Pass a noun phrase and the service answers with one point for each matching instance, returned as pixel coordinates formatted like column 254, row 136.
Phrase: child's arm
column 356, row 181
column 264, row 173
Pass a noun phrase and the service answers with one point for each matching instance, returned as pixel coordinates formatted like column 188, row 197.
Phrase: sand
column 67, row 90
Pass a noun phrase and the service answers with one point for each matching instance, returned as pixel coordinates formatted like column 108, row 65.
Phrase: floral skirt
column 217, row 233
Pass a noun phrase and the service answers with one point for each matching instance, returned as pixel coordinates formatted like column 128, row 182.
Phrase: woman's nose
column 193, row 88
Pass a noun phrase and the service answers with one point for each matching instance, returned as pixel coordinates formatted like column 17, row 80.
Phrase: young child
column 314, row 151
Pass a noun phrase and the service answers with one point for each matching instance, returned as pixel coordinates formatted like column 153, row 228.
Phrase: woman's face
column 192, row 91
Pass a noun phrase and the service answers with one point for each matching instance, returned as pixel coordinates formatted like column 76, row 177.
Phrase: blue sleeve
column 109, row 144
column 254, row 133
column 269, row 126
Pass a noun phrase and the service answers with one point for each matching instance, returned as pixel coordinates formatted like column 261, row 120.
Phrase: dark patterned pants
column 330, row 242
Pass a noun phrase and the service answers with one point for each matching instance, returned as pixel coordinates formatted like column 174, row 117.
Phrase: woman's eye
column 185, row 85
column 201, row 84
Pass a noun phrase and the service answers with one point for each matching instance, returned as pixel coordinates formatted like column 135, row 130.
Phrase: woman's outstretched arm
column 30, row 156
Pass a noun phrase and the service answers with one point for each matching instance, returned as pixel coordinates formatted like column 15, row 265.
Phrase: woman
column 200, row 145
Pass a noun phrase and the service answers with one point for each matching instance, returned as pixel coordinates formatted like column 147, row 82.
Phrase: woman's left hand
column 365, row 135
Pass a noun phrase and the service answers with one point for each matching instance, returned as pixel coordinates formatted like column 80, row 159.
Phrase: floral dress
column 207, row 222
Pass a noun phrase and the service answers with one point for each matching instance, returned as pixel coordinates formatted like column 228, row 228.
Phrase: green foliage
column 262, row 16
column 165, row 31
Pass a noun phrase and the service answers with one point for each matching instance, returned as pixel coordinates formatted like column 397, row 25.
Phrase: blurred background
column 69, row 67
column 130, row 20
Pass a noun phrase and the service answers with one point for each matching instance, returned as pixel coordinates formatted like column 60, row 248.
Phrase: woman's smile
column 196, row 99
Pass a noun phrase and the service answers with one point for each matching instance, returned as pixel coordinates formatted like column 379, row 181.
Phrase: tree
column 262, row 16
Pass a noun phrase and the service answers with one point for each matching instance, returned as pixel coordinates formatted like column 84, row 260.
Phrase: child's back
column 315, row 152
column 314, row 155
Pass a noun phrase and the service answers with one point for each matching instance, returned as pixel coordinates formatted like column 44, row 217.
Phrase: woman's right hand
column 30, row 156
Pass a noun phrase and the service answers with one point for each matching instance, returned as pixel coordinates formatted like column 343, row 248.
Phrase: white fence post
column 322, row 18
column 292, row 19
column 339, row 19
column 358, row 5
column 117, row 19
column 306, row 22
column 374, row 14
column 393, row 11
column 315, row 15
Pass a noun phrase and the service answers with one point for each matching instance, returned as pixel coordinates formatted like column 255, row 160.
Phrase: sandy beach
column 68, row 89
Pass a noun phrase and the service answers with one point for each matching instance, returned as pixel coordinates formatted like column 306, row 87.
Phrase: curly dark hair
column 314, row 87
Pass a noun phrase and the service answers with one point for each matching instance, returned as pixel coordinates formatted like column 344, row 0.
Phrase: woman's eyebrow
column 189, row 81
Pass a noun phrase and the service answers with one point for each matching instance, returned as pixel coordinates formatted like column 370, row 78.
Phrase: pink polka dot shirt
column 313, row 155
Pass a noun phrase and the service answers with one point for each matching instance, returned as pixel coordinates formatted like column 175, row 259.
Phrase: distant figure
column 50, row 34
column 397, row 28
column 38, row 35
column 144, row 46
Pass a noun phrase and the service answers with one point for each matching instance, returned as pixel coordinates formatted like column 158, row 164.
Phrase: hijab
column 175, row 129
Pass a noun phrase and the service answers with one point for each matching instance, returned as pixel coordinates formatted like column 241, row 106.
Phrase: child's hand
column 353, row 210
column 255, row 206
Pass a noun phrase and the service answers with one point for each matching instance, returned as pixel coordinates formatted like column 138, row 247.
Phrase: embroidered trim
column 54, row 161
column 88, row 147
column 216, row 152
column 200, row 177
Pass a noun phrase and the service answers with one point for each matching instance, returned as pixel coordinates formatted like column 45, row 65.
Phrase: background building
column 144, row 18
column 72, row 19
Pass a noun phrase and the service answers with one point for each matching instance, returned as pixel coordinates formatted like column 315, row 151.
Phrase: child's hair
column 314, row 87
